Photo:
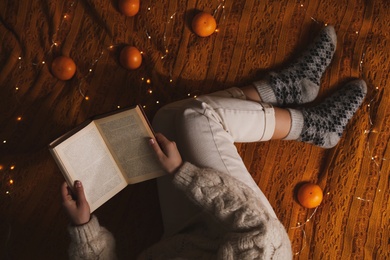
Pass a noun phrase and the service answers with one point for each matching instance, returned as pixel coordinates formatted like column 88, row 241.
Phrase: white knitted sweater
column 234, row 226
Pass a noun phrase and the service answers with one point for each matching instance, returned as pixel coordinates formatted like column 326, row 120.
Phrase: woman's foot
column 323, row 125
column 300, row 82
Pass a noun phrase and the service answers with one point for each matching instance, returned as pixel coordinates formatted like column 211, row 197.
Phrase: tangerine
column 129, row 7
column 130, row 58
column 310, row 195
column 63, row 68
column 204, row 24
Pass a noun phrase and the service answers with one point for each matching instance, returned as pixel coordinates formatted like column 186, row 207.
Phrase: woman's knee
column 171, row 117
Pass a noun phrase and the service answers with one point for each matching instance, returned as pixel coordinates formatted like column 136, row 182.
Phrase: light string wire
column 300, row 226
column 82, row 78
column 218, row 15
column 374, row 158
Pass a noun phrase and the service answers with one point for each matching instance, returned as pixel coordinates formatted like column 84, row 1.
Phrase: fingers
column 77, row 209
column 79, row 190
column 156, row 147
column 162, row 140
column 166, row 145
column 163, row 146
column 66, row 196
column 167, row 153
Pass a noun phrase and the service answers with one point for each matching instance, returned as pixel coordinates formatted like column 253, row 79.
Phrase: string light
column 217, row 15
column 374, row 158
column 301, row 225
column 165, row 43
column 359, row 198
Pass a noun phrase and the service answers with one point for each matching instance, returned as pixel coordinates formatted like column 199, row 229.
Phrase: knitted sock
column 299, row 83
column 323, row 125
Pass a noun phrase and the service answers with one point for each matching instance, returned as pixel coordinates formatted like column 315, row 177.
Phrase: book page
column 86, row 158
column 127, row 135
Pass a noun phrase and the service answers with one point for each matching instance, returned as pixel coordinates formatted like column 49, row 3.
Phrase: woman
column 211, row 207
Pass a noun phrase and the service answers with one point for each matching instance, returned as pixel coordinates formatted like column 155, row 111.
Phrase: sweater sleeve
column 91, row 241
column 225, row 197
column 251, row 232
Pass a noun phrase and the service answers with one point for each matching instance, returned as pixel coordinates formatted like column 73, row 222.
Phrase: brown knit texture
column 254, row 36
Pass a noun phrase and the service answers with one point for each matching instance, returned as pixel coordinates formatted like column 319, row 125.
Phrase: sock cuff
column 296, row 124
column 265, row 91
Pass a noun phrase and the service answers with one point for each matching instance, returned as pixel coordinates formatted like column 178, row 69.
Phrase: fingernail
column 151, row 141
column 78, row 184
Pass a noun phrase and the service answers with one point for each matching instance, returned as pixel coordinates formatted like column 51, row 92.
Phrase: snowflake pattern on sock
column 324, row 124
column 299, row 83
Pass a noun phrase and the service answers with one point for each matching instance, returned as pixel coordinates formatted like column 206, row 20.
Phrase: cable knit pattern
column 91, row 241
column 250, row 233
column 246, row 229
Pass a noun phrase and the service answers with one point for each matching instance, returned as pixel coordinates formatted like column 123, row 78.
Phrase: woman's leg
column 282, row 116
column 207, row 140
column 205, row 131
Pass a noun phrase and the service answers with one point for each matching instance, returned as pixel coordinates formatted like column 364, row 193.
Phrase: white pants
column 205, row 130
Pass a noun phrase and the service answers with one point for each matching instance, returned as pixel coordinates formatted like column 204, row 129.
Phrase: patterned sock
column 299, row 83
column 323, row 125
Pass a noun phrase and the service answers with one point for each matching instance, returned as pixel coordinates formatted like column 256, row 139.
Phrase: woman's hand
column 167, row 153
column 77, row 209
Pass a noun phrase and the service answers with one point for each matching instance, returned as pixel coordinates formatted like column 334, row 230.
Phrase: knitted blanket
column 252, row 37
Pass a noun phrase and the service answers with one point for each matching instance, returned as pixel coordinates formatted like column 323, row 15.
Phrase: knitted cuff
column 296, row 124
column 87, row 232
column 183, row 177
column 265, row 91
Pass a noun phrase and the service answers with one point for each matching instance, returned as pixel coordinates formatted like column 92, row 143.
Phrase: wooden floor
column 253, row 37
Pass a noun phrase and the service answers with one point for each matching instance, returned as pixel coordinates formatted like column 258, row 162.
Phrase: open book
column 107, row 153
